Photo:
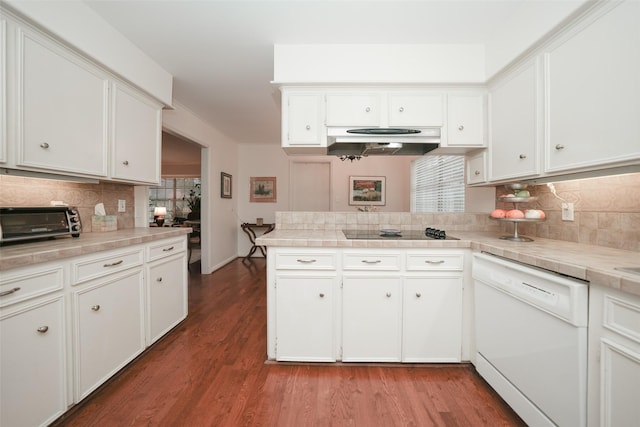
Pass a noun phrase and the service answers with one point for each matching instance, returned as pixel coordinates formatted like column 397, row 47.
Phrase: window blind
column 437, row 184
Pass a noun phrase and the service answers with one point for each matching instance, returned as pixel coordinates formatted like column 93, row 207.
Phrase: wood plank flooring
column 211, row 371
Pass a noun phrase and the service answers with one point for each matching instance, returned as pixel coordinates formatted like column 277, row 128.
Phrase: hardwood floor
column 211, row 371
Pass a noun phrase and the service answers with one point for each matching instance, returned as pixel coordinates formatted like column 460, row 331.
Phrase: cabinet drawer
column 25, row 283
column 434, row 261
column 104, row 263
column 306, row 261
column 165, row 248
column 372, row 261
column 622, row 316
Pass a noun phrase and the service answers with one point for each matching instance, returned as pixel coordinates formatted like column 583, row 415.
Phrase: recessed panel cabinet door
column 167, row 291
column 305, row 321
column 3, row 90
column 62, row 104
column 303, row 120
column 109, row 328
column 371, row 318
column 33, row 361
column 594, row 93
column 136, row 136
column 514, row 125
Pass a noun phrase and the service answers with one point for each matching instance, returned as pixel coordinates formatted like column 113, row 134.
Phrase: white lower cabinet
column 365, row 305
column 305, row 317
column 166, row 295
column 108, row 327
column 432, row 319
column 371, row 318
column 33, row 383
column 614, row 358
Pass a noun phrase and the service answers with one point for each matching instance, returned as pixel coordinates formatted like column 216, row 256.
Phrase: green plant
column 193, row 201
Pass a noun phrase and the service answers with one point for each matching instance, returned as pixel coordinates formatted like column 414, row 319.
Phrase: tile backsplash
column 606, row 211
column 22, row 191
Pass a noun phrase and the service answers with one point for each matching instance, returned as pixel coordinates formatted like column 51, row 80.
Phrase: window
column 437, row 184
column 174, row 194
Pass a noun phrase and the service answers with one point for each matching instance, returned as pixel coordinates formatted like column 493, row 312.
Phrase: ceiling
column 220, row 53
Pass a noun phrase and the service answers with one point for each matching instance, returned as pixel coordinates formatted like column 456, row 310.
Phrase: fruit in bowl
column 523, row 193
column 515, row 214
column 498, row 213
column 534, row 214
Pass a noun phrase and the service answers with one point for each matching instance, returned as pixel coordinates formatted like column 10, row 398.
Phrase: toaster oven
column 28, row 223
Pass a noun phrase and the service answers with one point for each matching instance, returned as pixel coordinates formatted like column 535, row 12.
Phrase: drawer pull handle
column 388, row 294
column 523, row 156
column 461, row 127
column 113, row 264
column 95, row 307
column 418, row 294
column 428, row 261
column 42, row 329
column 559, row 147
column 9, row 292
column 366, row 261
column 44, row 145
column 306, row 261
column 321, row 295
column 168, row 249
column 159, row 279
column 126, row 163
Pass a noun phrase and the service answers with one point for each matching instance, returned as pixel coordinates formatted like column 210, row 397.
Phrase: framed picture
column 263, row 189
column 225, row 185
column 367, row 190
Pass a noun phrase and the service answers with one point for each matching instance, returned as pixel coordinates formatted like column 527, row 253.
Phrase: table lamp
column 159, row 213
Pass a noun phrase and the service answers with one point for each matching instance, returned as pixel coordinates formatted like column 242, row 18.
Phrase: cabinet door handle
column 367, row 109
column 366, row 261
column 168, row 249
column 401, row 109
column 523, row 156
column 306, row 261
column 159, row 279
column 418, row 294
column 428, row 261
column 42, row 329
column 388, row 294
column 95, row 307
column 308, row 127
column 126, row 163
column 321, row 295
column 477, row 173
column 461, row 127
column 44, row 145
column 9, row 292
column 113, row 264
column 559, row 147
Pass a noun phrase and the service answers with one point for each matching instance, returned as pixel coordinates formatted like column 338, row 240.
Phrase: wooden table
column 249, row 229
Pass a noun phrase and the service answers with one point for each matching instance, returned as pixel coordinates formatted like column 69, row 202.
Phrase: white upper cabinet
column 62, row 108
column 303, row 120
column 136, row 136
column 416, row 109
column 465, row 120
column 514, row 125
column 348, row 109
column 593, row 92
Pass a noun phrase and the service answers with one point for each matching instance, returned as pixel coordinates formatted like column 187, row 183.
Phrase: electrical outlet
column 567, row 211
column 122, row 205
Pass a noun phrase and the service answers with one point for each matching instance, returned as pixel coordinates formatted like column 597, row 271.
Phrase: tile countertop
column 588, row 262
column 23, row 254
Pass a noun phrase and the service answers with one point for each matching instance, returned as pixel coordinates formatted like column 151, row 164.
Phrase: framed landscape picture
column 263, row 189
column 225, row 185
column 367, row 190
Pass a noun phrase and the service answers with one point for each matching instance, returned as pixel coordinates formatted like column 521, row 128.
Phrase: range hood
column 381, row 141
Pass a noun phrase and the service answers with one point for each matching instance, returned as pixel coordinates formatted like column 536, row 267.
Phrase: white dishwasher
column 531, row 338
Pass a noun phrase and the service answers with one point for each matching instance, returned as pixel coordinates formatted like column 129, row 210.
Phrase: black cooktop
column 402, row 235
